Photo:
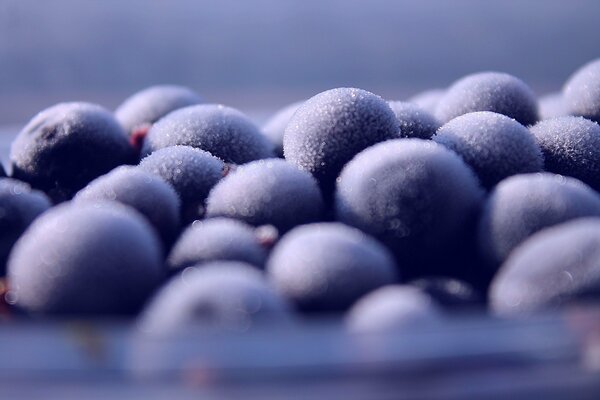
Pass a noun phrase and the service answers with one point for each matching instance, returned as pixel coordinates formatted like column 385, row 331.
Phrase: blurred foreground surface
column 549, row 357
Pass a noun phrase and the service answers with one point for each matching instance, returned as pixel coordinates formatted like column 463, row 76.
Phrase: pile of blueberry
column 179, row 212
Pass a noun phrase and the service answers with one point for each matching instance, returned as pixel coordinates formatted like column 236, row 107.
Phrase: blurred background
column 259, row 55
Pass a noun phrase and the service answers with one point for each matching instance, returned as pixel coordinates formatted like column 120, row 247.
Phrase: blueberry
column 553, row 268
column 392, row 308
column 571, row 146
column 494, row 145
column 489, row 91
column 222, row 131
column 449, row 293
column 331, row 127
column 553, row 105
column 222, row 296
column 328, row 266
column 416, row 196
column 85, row 259
column 218, row 239
column 2, row 172
column 66, row 146
column 191, row 172
column 414, row 121
column 582, row 91
column 428, row 100
column 272, row 192
column 521, row 205
column 274, row 128
column 19, row 206
column 147, row 193
column 149, row 105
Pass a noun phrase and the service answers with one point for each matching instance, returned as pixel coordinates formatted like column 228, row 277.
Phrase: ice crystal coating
column 571, row 146
column 333, row 126
column 582, row 91
column 489, row 91
column 552, row 268
column 85, row 259
column 66, row 146
column 151, row 104
column 222, row 131
column 267, row 192
column 521, row 205
column 328, row 266
column 494, row 145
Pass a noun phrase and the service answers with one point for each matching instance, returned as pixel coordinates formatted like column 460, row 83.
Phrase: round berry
column 521, row 205
column 416, row 196
column 267, row 192
column 582, row 91
column 489, row 91
column 274, row 128
column 66, row 146
column 148, row 194
column 19, row 206
column 553, row 268
column 494, row 145
column 224, row 132
column 328, row 266
column 218, row 239
column 191, row 172
column 221, row 296
column 414, row 122
column 331, row 127
column 428, row 99
column 571, row 146
column 85, row 259
column 392, row 308
column 151, row 104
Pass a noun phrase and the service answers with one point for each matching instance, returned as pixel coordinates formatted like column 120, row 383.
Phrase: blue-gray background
column 257, row 55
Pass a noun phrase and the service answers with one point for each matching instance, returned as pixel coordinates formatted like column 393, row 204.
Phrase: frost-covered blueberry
column 222, row 296
column 66, row 146
column 218, row 239
column 147, row 193
column 19, row 206
column 274, row 128
column 521, row 205
column 414, row 121
column 427, row 100
column 147, row 106
column 222, row 131
column 416, row 196
column 328, row 266
column 571, row 146
column 553, row 105
column 555, row 267
column 449, row 293
column 267, row 192
column 191, row 172
column 494, row 145
column 489, row 91
column 85, row 259
column 393, row 308
column 333, row 126
column 582, row 91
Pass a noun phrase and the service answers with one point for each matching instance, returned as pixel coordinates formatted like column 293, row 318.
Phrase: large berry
column 489, row 91
column 88, row 259
column 222, row 131
column 328, row 266
column 331, row 127
column 66, row 146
